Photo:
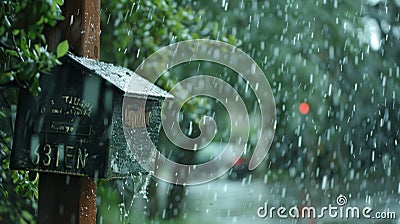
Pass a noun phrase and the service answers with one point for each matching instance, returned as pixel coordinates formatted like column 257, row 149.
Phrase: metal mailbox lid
column 126, row 80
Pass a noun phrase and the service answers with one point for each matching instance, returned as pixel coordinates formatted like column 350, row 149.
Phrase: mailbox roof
column 124, row 79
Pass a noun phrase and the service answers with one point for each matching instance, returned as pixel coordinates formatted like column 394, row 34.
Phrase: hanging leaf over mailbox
column 75, row 126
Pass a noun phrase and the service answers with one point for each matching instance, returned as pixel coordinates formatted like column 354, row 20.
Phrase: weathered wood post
column 72, row 199
column 73, row 132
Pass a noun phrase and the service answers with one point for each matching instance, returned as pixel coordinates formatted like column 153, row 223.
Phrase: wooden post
column 65, row 198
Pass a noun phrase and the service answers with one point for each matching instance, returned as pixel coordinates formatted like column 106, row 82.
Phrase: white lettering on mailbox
column 69, row 154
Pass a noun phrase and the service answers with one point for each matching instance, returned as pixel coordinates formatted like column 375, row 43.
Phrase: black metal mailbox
column 75, row 125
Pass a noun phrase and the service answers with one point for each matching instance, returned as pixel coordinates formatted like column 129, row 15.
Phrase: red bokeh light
column 304, row 108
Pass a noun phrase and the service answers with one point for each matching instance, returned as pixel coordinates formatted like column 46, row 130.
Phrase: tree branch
column 5, row 142
column 4, row 45
column 17, row 49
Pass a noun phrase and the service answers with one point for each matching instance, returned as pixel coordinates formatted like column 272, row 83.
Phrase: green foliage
column 18, row 195
column 23, row 49
column 62, row 48
column 20, row 187
column 23, row 57
column 133, row 30
column 313, row 51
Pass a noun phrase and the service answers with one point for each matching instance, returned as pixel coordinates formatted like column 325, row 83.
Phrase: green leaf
column 59, row 2
column 24, row 46
column 6, row 77
column 27, row 215
column 7, row 21
column 37, row 48
column 12, row 53
column 35, row 193
column 62, row 48
column 34, row 89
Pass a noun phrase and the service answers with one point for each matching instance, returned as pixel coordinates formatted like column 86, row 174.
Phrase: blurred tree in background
column 337, row 56
column 341, row 57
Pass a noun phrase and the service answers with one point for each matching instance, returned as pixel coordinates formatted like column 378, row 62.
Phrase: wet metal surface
column 75, row 125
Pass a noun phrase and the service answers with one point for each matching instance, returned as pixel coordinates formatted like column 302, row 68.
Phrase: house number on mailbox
column 60, row 154
column 73, row 129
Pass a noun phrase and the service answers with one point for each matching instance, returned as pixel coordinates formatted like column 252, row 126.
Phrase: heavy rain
column 324, row 113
